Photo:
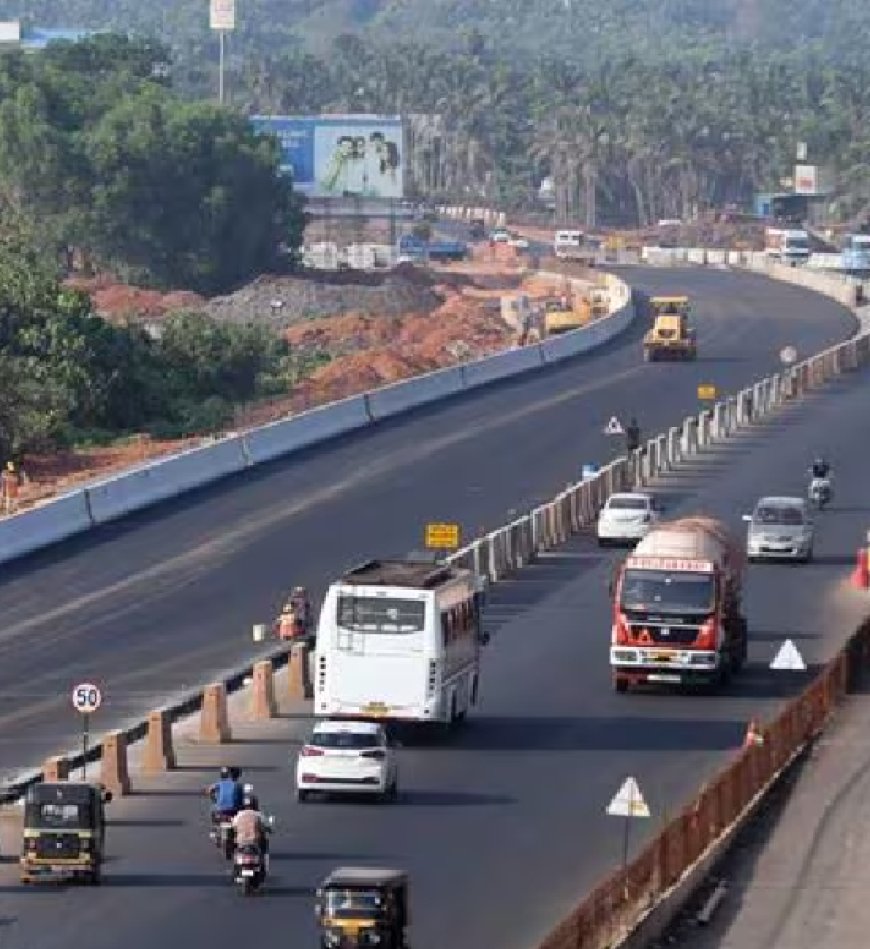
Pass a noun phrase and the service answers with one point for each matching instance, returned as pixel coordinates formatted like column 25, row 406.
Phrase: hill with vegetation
column 578, row 30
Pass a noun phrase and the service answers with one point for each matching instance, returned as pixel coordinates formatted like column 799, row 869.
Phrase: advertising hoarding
column 334, row 156
column 811, row 179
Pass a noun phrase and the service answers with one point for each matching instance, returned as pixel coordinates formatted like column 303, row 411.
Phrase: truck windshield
column 672, row 592
column 381, row 614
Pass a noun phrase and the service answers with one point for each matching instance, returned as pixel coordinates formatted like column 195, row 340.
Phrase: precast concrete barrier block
column 114, row 774
column 412, row 393
column 42, row 526
column 214, row 722
column 55, row 769
column 308, row 428
column 263, row 704
column 160, row 480
column 299, row 684
column 159, row 750
column 502, row 365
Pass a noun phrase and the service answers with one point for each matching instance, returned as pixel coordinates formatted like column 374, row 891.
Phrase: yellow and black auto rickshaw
column 363, row 906
column 64, row 831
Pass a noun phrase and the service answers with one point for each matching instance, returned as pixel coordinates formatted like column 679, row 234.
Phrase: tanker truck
column 677, row 607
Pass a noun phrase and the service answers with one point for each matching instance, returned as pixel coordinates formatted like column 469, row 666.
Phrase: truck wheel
column 647, row 356
column 620, row 684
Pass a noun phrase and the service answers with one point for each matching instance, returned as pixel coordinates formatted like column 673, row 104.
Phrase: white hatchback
column 345, row 757
column 627, row 518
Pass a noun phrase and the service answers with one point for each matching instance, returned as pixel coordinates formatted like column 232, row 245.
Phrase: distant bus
column 399, row 640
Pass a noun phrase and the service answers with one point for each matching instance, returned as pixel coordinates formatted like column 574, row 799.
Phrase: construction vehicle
column 669, row 306
column 670, row 337
column 677, row 607
column 565, row 314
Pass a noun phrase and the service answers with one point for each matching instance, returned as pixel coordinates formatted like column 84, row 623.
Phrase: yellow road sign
column 707, row 393
column 442, row 536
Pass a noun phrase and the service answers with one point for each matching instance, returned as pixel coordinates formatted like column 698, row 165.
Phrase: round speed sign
column 86, row 698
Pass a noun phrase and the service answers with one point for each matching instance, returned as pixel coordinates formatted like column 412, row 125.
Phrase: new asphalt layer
column 502, row 827
column 166, row 599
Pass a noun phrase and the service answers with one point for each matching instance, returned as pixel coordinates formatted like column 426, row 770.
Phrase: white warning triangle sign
column 788, row 657
column 628, row 801
column 614, row 427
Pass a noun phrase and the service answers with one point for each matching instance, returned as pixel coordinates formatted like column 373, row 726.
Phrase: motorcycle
column 820, row 492
column 249, row 868
column 221, row 833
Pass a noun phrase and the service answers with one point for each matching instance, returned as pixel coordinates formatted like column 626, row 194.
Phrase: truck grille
column 664, row 635
column 57, row 846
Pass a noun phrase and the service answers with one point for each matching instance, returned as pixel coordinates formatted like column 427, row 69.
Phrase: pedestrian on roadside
column 632, row 435
column 10, row 487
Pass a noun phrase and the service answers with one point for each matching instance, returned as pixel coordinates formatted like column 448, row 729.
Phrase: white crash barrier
column 42, row 526
column 411, row 393
column 308, row 428
column 164, row 479
column 509, row 363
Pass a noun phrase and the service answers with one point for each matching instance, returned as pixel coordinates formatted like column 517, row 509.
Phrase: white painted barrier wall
column 115, row 497
column 164, row 479
column 413, row 393
column 318, row 425
column 52, row 522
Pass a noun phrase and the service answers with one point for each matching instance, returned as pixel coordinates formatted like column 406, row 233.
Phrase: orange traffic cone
column 754, row 736
column 861, row 573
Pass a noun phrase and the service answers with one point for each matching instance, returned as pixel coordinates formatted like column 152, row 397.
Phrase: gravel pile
column 282, row 301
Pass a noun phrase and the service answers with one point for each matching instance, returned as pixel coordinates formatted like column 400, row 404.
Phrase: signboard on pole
column 442, row 536
column 86, row 699
column 335, row 156
column 222, row 15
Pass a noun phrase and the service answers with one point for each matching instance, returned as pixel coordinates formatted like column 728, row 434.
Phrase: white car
column 627, row 518
column 344, row 757
column 500, row 236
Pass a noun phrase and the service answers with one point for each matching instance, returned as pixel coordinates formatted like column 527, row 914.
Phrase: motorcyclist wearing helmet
column 300, row 605
column 250, row 826
column 227, row 794
column 820, row 468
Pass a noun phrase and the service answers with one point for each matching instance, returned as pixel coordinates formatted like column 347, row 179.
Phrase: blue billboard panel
column 340, row 155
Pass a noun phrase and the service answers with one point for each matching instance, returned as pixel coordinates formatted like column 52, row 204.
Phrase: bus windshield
column 381, row 614
column 667, row 591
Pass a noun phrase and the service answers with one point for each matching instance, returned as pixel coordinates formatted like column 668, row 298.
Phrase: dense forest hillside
column 582, row 30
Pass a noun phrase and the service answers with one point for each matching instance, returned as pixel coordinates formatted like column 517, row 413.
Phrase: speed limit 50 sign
column 86, row 698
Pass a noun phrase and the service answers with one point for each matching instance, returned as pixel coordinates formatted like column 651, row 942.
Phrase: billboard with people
column 340, row 155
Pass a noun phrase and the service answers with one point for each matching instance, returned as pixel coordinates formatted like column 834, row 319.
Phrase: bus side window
column 445, row 628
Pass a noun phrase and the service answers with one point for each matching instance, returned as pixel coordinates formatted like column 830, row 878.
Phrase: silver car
column 780, row 529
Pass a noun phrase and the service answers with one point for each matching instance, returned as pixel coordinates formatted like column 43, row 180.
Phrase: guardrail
column 134, row 489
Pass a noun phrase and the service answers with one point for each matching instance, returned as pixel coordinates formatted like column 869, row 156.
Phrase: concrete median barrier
column 214, row 723
column 413, row 393
column 318, row 425
column 161, row 480
column 159, row 749
column 45, row 525
column 263, row 703
column 114, row 772
column 502, row 365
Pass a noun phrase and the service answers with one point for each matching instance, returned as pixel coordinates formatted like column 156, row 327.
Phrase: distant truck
column 677, row 607
column 790, row 246
column 415, row 248
column 856, row 254
column 576, row 245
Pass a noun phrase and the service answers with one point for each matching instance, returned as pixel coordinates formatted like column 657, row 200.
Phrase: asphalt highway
column 166, row 599
column 501, row 827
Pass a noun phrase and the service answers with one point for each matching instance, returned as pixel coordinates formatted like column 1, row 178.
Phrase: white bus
column 399, row 640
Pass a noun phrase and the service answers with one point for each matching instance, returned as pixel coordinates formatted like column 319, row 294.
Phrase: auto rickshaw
column 64, row 831
column 363, row 906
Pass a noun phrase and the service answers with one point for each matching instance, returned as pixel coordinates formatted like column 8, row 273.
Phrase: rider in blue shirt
column 227, row 794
